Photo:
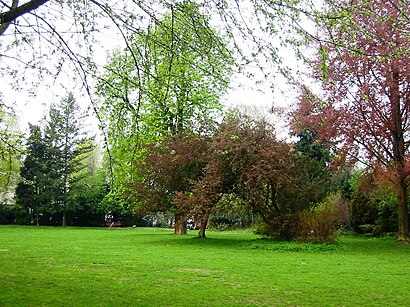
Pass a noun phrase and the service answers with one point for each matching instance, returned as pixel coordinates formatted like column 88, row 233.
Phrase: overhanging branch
column 18, row 11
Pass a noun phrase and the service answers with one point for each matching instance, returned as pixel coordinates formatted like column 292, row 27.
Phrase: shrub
column 319, row 223
column 284, row 227
column 373, row 207
column 13, row 214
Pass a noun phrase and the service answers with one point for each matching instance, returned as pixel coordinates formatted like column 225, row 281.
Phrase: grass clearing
column 47, row 266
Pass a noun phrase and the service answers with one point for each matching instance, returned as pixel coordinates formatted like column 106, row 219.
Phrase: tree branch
column 4, row 26
column 13, row 13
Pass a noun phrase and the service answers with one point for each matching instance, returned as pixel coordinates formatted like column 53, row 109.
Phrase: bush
column 322, row 222
column 283, row 227
column 13, row 214
column 319, row 224
column 373, row 209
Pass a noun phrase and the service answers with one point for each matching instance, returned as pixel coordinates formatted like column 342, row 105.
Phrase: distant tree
column 11, row 150
column 363, row 63
column 37, row 186
column 69, row 146
column 310, row 146
column 90, row 189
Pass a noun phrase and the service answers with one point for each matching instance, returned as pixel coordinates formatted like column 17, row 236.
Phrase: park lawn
column 51, row 266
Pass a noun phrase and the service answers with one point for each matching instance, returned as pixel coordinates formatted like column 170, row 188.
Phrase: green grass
column 46, row 266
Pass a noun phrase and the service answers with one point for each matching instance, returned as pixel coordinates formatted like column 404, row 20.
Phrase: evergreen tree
column 35, row 190
column 68, row 147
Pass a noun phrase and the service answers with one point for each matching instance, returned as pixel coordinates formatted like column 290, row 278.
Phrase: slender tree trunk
column 37, row 219
column 180, row 224
column 64, row 223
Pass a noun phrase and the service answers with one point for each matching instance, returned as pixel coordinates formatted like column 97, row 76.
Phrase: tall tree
column 61, row 38
column 169, row 80
column 36, row 189
column 363, row 64
column 69, row 145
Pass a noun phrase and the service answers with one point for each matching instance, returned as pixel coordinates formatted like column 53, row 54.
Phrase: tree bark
column 403, row 235
column 180, row 224
column 202, row 228
column 399, row 155
column 15, row 12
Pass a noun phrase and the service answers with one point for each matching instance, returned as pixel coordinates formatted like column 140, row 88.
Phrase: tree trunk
column 37, row 219
column 180, row 224
column 64, row 220
column 403, row 235
column 399, row 155
column 202, row 228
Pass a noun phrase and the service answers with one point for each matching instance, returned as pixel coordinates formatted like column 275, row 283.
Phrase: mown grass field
column 46, row 266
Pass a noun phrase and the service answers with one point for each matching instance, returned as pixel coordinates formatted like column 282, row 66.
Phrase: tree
column 276, row 181
column 36, row 188
column 373, row 204
column 245, row 23
column 11, row 151
column 169, row 80
column 169, row 168
column 69, row 147
column 363, row 65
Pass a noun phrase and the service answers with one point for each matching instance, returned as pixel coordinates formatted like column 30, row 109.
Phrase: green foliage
column 231, row 212
column 38, row 185
column 11, row 150
column 112, row 203
column 372, row 206
column 64, row 136
column 169, row 80
column 56, row 163
column 310, row 146
column 319, row 224
column 13, row 214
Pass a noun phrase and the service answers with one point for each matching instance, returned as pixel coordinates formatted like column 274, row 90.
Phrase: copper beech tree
column 363, row 64
column 190, row 174
column 274, row 179
column 167, row 169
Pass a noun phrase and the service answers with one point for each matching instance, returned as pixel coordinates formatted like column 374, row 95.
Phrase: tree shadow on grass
column 250, row 243
column 208, row 242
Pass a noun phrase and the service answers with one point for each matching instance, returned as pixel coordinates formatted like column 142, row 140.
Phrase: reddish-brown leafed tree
column 168, row 169
column 363, row 64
